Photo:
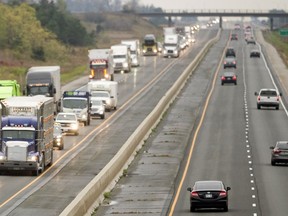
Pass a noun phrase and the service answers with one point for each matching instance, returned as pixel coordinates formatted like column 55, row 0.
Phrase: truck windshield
column 39, row 90
column 18, row 134
column 119, row 56
column 98, row 66
column 99, row 94
column 74, row 103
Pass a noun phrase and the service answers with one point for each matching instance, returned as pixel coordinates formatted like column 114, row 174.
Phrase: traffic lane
column 266, row 127
column 101, row 158
column 220, row 151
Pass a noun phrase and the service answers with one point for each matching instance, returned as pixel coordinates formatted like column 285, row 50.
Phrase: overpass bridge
column 271, row 14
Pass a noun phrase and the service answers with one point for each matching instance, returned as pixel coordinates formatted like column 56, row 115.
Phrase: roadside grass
column 280, row 43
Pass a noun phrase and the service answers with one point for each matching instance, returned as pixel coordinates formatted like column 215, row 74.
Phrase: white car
column 97, row 108
column 268, row 98
column 68, row 122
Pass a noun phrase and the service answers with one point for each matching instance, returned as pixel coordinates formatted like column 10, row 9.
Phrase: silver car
column 97, row 108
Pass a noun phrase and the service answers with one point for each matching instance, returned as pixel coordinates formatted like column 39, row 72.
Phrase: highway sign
column 283, row 32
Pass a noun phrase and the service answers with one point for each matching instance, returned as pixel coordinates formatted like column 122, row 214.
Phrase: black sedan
column 255, row 53
column 208, row 194
column 279, row 153
column 230, row 62
column 229, row 77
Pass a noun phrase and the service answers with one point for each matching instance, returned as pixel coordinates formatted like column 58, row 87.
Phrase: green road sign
column 283, row 32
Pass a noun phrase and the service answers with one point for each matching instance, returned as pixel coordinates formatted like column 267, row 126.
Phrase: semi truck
column 27, row 133
column 9, row 88
column 45, row 80
column 101, row 64
column 78, row 102
column 171, row 46
column 121, row 58
column 107, row 91
column 149, row 46
column 134, row 45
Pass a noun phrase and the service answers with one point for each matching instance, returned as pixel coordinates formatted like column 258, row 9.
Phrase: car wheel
column 192, row 209
column 61, row 147
column 277, row 107
column 273, row 163
column 222, row 83
column 85, row 123
column 258, row 106
column 235, row 83
column 76, row 133
column 225, row 209
column 102, row 116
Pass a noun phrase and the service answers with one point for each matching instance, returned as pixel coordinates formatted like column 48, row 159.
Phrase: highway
column 233, row 144
column 228, row 141
column 85, row 155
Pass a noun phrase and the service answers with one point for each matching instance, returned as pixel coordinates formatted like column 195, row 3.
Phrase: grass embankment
column 279, row 42
column 75, row 63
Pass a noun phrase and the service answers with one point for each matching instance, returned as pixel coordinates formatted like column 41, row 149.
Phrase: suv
column 68, row 122
column 268, row 98
column 230, row 52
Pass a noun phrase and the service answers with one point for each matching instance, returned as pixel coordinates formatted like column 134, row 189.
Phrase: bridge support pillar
column 169, row 21
column 220, row 22
column 271, row 23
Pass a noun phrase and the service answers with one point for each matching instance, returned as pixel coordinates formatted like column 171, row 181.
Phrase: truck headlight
column 125, row 64
column 84, row 116
column 2, row 157
column 33, row 158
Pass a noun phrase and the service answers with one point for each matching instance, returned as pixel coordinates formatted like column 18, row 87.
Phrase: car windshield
column 283, row 146
column 96, row 102
column 268, row 93
column 227, row 74
column 208, row 185
column 66, row 117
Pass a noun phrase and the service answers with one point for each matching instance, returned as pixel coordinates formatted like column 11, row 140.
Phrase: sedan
column 230, row 62
column 279, row 153
column 255, row 53
column 229, row 77
column 68, row 122
column 208, row 194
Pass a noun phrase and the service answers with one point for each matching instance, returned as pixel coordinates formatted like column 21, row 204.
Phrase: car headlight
column 84, row 116
column 2, row 157
column 33, row 158
column 74, row 126
column 154, row 50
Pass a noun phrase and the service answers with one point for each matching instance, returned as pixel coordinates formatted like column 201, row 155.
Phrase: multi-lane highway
column 84, row 156
column 229, row 141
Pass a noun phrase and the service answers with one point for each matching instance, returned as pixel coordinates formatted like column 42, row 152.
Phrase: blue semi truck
column 27, row 133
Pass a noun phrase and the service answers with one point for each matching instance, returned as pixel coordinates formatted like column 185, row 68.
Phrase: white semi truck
column 121, row 58
column 134, row 45
column 27, row 133
column 107, row 91
column 171, row 46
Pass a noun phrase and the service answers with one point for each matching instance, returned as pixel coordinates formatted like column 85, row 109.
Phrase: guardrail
column 92, row 194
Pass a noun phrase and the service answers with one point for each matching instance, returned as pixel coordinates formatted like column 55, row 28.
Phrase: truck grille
column 17, row 153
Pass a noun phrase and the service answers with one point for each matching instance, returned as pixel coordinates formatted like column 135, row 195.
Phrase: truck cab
column 9, row 88
column 121, row 58
column 77, row 102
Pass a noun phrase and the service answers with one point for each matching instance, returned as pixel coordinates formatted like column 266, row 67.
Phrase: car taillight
column 234, row 62
column 276, row 151
column 223, row 193
column 225, row 62
column 194, row 194
column 234, row 77
column 222, row 78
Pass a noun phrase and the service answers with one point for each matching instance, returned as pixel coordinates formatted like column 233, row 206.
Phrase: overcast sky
column 218, row 4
